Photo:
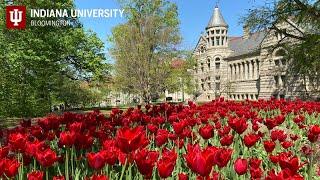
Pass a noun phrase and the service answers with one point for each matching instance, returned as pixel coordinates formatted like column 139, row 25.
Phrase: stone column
column 250, row 70
column 257, row 69
column 244, row 70
column 253, row 70
column 230, row 72
column 234, row 72
column 240, row 71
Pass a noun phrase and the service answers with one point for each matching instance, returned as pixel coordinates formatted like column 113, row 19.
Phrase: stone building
column 246, row 67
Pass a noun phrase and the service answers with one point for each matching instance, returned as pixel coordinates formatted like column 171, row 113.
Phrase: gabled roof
column 217, row 19
column 241, row 46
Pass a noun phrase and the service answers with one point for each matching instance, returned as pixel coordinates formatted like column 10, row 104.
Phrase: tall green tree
column 143, row 46
column 37, row 63
column 303, row 16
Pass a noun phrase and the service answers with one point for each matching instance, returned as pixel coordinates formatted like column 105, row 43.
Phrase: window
column 217, row 59
column 217, row 86
column 217, row 31
column 202, row 49
column 277, row 62
column 212, row 32
column 217, row 78
column 202, row 87
column 276, row 79
column 217, row 66
column 209, row 86
column 218, row 41
column 222, row 31
column 212, row 41
column 222, row 41
column 283, row 62
column 208, row 62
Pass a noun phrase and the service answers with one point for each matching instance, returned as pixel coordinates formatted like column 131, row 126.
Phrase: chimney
column 246, row 32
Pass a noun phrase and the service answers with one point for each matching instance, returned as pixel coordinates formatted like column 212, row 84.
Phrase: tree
column 303, row 16
column 38, row 63
column 143, row 46
column 180, row 77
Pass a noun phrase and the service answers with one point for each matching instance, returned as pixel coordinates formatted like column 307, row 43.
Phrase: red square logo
column 16, row 17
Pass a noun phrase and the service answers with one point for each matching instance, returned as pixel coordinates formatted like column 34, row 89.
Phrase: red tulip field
column 222, row 139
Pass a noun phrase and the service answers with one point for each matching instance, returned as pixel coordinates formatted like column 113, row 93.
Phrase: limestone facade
column 246, row 67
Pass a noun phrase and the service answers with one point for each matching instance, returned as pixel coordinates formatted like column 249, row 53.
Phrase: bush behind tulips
column 265, row 139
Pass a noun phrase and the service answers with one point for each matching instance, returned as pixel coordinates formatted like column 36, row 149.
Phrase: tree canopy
column 144, row 47
column 40, row 65
column 303, row 16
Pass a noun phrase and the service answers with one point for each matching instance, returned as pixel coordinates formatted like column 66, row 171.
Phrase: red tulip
column 67, row 138
column 17, row 141
column 162, row 137
column 222, row 157
column 96, row 160
column 33, row 147
column 251, row 139
column 58, row 178
column 239, row 125
column 98, row 177
column 198, row 161
column 269, row 146
column 4, row 152
column 226, row 140
column 167, row 163
column 183, row 176
column 152, row 128
column 313, row 133
column 129, row 140
column 84, row 141
column 35, row 175
column 11, row 167
column 286, row 144
column 145, row 161
column 46, row 158
column 76, row 127
column 240, row 166
column 256, row 173
column 255, row 162
column 206, row 131
column 278, row 135
column 178, row 127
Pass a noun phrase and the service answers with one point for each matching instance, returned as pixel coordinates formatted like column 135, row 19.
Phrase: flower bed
column 272, row 139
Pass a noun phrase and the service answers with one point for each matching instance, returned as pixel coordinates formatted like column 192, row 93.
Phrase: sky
column 194, row 15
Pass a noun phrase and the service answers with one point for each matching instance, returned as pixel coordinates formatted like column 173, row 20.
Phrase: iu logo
column 16, row 17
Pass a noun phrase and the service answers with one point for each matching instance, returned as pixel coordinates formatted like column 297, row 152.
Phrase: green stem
column 47, row 174
column 123, row 168
column 310, row 169
column 66, row 165
column 72, row 159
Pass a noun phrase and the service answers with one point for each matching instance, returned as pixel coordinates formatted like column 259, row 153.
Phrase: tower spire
column 217, row 19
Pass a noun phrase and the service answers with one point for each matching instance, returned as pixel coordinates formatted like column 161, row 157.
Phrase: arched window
column 279, row 58
column 217, row 62
column 202, row 49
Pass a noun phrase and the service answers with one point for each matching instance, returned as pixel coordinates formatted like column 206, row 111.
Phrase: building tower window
column 218, row 41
